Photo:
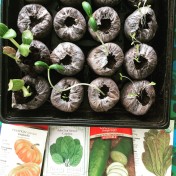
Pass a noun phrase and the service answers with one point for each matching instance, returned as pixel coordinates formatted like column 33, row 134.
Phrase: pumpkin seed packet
column 21, row 150
column 153, row 151
column 67, row 151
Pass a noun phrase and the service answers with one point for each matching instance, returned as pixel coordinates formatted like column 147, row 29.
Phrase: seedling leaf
column 56, row 67
column 9, row 34
column 24, row 50
column 121, row 76
column 152, row 84
column 27, row 37
column 87, row 8
column 9, row 51
column 15, row 84
column 93, row 24
column 41, row 64
column 3, row 29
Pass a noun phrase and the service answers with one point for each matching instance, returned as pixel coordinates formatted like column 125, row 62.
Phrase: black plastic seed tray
column 157, row 117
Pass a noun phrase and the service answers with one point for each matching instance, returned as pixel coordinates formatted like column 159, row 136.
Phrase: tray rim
column 114, row 123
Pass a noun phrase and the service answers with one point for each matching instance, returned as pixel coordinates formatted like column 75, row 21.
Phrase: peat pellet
column 99, row 102
column 35, row 18
column 69, row 24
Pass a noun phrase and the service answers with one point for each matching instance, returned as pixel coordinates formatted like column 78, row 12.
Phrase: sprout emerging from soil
column 70, row 99
column 138, row 97
column 139, row 3
column 38, row 91
column 135, row 92
column 17, row 85
column 143, row 23
column 61, row 68
column 92, row 23
column 140, row 61
column 10, row 34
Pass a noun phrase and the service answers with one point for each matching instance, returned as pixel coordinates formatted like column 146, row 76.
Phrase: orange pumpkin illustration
column 27, row 151
column 27, row 169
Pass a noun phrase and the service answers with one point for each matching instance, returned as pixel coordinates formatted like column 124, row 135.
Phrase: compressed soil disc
column 103, row 103
column 67, row 101
column 103, row 64
column 35, row 18
column 69, row 24
column 138, row 97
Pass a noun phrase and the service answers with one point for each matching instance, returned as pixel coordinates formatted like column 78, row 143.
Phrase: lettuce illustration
column 66, row 150
column 158, row 153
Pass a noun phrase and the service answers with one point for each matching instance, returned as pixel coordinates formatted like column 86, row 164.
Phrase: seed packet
column 67, row 151
column 21, row 150
column 153, row 151
column 111, row 152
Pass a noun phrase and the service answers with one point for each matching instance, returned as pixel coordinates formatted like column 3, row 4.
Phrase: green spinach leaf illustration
column 66, row 150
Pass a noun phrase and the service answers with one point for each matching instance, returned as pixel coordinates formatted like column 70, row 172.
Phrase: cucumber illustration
column 122, row 150
column 99, row 156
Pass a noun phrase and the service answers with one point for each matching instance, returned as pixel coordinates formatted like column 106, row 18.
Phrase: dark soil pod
column 143, row 23
column 140, row 104
column 70, row 56
column 36, row 18
column 102, row 64
column 67, row 101
column 135, row 3
column 71, row 2
column 39, row 52
column 147, row 61
column 69, row 24
column 40, row 93
column 101, row 3
column 108, row 22
column 97, row 101
column 38, row 1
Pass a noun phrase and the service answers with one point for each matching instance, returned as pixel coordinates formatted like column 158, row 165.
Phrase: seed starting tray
column 157, row 117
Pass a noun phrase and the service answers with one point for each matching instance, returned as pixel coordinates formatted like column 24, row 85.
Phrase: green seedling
column 135, row 43
column 93, row 24
column 135, row 94
column 10, row 34
column 143, row 19
column 10, row 52
column 17, row 85
column 58, row 67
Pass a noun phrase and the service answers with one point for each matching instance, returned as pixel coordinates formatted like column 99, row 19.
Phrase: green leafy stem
column 135, row 94
column 93, row 24
column 58, row 67
column 17, row 85
column 10, row 34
